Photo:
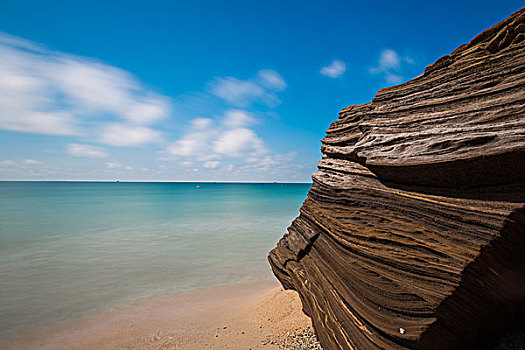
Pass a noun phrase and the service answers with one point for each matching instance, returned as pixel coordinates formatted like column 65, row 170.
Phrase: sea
column 71, row 248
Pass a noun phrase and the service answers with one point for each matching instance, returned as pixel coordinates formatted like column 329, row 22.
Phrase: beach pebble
column 301, row 339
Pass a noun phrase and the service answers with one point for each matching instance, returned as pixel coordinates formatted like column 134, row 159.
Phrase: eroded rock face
column 413, row 233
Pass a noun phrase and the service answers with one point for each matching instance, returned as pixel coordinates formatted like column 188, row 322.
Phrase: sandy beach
column 244, row 316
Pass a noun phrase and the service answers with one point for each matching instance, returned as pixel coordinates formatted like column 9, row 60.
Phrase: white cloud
column 186, row 147
column 212, row 164
column 113, row 165
column 239, row 142
column 334, row 70
column 271, row 79
column 235, row 91
column 409, row 60
column 232, row 138
column 86, row 151
column 25, row 97
column 390, row 66
column 116, row 134
column 201, row 123
column 237, row 118
column 276, row 161
column 48, row 92
column 393, row 78
column 389, row 59
column 99, row 88
column 276, row 164
column 195, row 142
column 242, row 93
column 11, row 40
column 7, row 163
column 230, row 135
column 31, row 162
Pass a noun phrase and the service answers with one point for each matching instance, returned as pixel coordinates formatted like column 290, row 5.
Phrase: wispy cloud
column 237, row 118
column 229, row 137
column 86, row 151
column 389, row 59
column 113, row 165
column 124, row 134
column 98, row 106
column 48, row 92
column 239, row 142
column 196, row 141
column 32, row 162
column 7, row 163
column 235, row 91
column 334, row 70
column 228, row 142
column 242, row 93
column 390, row 66
column 211, row 164
column 270, row 79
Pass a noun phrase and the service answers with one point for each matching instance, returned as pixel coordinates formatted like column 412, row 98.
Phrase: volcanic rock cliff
column 413, row 233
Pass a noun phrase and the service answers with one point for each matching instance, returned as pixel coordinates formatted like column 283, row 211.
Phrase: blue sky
column 203, row 90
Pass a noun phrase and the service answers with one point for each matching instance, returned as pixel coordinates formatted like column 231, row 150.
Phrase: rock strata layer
column 413, row 233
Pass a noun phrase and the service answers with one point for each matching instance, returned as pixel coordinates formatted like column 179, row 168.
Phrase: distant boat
column 199, row 186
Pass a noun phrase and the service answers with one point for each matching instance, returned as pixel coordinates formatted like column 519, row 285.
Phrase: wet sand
column 246, row 316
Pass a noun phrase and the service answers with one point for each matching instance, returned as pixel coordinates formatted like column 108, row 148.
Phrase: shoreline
column 256, row 315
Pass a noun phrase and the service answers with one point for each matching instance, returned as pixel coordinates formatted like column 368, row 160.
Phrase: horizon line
column 165, row 181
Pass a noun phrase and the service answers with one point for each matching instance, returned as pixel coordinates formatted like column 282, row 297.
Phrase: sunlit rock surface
column 413, row 234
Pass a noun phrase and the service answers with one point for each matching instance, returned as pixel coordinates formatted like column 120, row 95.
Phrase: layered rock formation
column 413, row 233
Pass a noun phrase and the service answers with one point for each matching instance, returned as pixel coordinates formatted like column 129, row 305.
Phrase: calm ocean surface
column 67, row 248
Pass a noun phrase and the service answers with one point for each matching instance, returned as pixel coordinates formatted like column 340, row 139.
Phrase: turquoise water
column 67, row 248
